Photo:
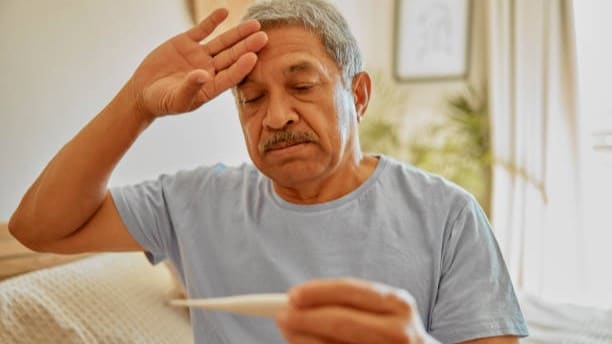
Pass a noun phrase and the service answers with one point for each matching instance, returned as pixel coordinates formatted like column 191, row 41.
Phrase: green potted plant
column 456, row 145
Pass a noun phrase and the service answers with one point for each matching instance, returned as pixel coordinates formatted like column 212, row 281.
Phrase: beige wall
column 61, row 61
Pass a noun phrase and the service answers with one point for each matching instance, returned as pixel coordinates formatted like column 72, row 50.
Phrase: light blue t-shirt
column 228, row 232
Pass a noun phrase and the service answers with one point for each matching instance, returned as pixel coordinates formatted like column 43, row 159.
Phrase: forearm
column 73, row 185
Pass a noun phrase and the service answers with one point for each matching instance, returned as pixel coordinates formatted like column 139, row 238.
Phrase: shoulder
column 432, row 191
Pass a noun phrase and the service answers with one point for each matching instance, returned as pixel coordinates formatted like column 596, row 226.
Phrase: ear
column 362, row 88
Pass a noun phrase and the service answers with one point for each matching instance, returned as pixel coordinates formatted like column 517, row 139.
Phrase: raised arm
column 68, row 208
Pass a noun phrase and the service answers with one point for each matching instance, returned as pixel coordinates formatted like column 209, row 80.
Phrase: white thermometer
column 261, row 305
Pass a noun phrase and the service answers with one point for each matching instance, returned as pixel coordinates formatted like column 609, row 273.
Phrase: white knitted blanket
column 108, row 298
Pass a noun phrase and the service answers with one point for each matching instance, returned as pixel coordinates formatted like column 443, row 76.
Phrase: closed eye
column 303, row 87
column 251, row 100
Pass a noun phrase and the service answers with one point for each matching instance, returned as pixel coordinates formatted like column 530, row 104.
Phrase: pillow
column 16, row 259
column 551, row 322
column 110, row 298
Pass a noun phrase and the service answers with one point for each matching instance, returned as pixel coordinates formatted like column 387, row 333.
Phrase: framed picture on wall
column 432, row 39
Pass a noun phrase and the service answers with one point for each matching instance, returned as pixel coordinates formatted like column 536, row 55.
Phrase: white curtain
column 535, row 207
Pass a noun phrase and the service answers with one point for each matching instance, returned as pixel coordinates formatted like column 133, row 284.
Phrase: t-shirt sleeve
column 475, row 297
column 144, row 211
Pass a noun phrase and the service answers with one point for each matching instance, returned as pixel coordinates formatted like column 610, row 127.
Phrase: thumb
column 188, row 93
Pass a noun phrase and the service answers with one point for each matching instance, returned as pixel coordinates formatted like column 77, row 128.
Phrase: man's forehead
column 289, row 69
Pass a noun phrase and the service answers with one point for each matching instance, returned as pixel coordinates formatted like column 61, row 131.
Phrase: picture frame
column 431, row 40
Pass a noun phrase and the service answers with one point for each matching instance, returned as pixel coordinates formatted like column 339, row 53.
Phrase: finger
column 230, row 37
column 208, row 25
column 296, row 338
column 292, row 337
column 189, row 93
column 353, row 293
column 347, row 325
column 253, row 43
column 231, row 76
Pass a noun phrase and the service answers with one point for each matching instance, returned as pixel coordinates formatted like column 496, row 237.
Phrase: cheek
column 251, row 133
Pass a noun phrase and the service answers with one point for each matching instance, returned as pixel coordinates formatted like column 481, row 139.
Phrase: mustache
column 287, row 137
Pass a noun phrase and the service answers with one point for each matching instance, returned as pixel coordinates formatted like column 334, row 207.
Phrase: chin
column 293, row 172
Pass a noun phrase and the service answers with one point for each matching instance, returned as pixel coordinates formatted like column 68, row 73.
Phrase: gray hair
column 320, row 16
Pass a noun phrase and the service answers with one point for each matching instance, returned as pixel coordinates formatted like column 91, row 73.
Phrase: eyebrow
column 302, row 66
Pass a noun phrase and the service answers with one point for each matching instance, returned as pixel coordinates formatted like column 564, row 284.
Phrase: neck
column 335, row 186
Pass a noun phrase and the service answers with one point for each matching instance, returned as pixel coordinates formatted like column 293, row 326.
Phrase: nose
column 279, row 113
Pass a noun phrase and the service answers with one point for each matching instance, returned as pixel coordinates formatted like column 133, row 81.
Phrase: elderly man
column 312, row 211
